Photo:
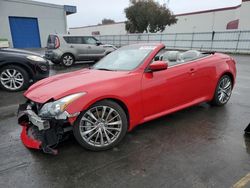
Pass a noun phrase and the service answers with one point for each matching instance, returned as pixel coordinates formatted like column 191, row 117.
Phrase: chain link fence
column 224, row 41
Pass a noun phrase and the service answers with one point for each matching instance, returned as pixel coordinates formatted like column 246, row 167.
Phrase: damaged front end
column 41, row 133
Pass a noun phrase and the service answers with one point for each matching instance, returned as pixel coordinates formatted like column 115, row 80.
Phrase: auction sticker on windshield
column 147, row 48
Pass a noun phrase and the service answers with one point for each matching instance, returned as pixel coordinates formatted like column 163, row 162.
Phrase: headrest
column 170, row 56
column 191, row 54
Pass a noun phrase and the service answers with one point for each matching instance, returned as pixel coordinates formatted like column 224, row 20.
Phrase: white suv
column 66, row 49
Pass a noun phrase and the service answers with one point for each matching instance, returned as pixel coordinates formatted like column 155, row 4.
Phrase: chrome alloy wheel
column 100, row 126
column 225, row 90
column 12, row 79
column 68, row 60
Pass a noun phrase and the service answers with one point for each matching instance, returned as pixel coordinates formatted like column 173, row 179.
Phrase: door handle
column 71, row 46
column 89, row 47
column 192, row 70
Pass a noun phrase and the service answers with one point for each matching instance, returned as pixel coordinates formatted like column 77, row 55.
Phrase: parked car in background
column 130, row 86
column 66, row 49
column 19, row 69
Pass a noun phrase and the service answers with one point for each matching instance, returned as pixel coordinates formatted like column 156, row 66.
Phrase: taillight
column 231, row 60
column 57, row 43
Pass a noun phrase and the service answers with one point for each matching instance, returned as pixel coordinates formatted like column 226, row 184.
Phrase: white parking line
column 242, row 182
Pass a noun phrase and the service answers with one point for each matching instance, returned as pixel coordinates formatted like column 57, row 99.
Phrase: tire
column 67, row 60
column 14, row 78
column 223, row 91
column 94, row 133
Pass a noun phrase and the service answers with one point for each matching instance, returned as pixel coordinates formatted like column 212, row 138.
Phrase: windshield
column 124, row 59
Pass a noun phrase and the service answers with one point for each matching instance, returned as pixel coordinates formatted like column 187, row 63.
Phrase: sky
column 91, row 12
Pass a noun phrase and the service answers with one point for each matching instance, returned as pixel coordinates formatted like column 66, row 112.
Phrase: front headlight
column 56, row 108
column 36, row 58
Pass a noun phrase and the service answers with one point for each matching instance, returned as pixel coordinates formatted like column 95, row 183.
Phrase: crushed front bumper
column 28, row 138
column 38, row 133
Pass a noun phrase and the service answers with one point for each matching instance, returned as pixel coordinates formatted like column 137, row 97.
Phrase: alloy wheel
column 225, row 90
column 12, row 79
column 100, row 126
column 68, row 60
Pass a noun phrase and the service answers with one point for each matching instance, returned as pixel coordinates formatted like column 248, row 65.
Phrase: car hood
column 59, row 86
column 19, row 52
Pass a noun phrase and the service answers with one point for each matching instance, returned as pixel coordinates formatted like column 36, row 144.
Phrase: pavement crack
column 17, row 166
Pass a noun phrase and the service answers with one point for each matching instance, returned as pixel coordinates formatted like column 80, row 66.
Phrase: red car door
column 168, row 89
column 205, row 78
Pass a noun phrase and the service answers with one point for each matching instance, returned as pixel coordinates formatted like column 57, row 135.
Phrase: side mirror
column 158, row 66
column 98, row 43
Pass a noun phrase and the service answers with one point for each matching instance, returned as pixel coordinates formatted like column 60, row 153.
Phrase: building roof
column 182, row 14
column 211, row 10
column 97, row 25
column 36, row 3
column 68, row 9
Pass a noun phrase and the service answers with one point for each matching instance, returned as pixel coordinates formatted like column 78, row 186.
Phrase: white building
column 27, row 24
column 107, row 29
column 244, row 17
column 222, row 19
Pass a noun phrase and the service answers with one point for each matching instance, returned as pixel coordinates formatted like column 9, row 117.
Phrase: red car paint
column 27, row 140
column 145, row 95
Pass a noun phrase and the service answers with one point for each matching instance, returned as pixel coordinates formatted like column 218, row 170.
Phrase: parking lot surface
column 201, row 146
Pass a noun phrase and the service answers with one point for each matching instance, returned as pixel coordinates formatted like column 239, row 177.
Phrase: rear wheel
column 68, row 60
column 223, row 91
column 101, row 127
column 13, row 78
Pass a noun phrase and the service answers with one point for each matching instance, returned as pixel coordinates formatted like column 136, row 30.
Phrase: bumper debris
column 41, row 134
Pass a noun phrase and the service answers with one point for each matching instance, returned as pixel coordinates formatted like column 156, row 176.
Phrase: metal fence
column 224, row 41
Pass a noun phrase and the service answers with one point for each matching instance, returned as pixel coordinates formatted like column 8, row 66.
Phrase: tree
column 148, row 16
column 107, row 21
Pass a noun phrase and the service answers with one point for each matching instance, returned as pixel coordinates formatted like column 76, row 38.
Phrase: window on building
column 233, row 24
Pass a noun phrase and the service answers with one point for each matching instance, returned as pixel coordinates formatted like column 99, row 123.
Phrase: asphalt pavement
column 201, row 146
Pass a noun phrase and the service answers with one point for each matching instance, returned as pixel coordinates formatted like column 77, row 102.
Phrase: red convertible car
column 130, row 86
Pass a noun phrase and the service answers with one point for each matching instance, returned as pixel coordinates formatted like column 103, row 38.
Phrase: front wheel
column 223, row 91
column 13, row 78
column 102, row 126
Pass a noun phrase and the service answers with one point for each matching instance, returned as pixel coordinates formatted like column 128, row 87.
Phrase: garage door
column 25, row 32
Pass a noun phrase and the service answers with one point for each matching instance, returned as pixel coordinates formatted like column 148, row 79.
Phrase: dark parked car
column 19, row 69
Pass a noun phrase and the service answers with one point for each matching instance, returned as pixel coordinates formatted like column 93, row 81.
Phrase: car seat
column 173, row 57
column 190, row 55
